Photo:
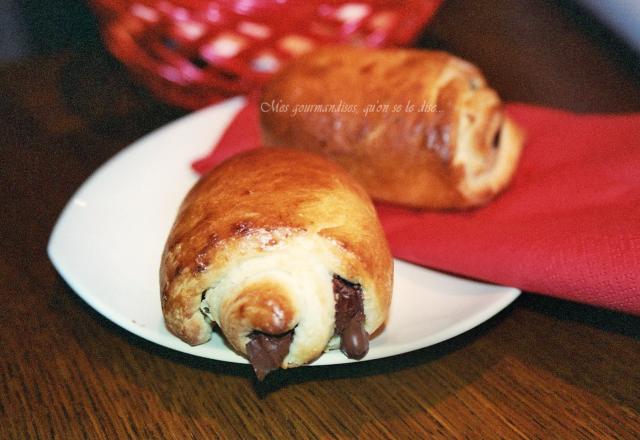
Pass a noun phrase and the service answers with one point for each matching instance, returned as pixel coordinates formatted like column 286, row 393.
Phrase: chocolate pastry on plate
column 417, row 128
column 282, row 250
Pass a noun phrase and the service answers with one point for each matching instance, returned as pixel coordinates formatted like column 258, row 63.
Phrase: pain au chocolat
column 416, row 128
column 282, row 250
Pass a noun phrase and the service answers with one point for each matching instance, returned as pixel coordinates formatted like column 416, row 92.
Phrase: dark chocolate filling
column 496, row 139
column 354, row 340
column 266, row 352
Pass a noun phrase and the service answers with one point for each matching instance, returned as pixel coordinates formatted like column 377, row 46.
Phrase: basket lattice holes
column 192, row 53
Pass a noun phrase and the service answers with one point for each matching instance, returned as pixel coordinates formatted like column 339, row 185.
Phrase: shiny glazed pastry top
column 416, row 128
column 282, row 250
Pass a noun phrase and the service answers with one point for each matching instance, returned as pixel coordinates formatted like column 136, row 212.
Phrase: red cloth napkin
column 568, row 226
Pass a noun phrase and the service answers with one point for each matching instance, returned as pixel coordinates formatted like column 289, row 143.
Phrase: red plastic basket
column 191, row 53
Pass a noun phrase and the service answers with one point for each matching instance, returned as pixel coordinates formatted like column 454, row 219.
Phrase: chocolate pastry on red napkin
column 568, row 226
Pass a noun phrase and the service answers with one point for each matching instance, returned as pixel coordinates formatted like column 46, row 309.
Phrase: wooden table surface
column 543, row 368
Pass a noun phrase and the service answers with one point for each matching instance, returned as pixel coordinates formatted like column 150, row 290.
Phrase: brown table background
column 543, row 368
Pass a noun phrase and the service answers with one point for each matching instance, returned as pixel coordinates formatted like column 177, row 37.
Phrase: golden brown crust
column 253, row 204
column 409, row 157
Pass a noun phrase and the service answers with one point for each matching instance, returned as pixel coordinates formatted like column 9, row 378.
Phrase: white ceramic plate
column 108, row 241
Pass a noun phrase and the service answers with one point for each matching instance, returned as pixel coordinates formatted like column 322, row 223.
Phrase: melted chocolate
column 354, row 340
column 496, row 139
column 266, row 352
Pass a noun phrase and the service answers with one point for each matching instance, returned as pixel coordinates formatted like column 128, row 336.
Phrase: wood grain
column 541, row 369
